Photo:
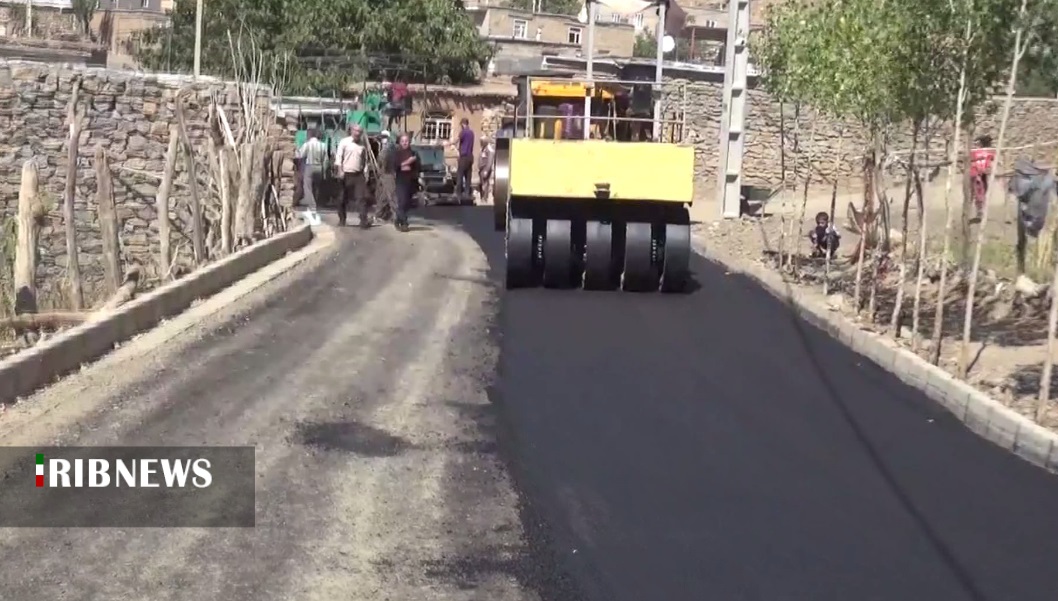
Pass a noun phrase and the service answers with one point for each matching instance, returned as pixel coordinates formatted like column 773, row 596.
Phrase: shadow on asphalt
column 351, row 437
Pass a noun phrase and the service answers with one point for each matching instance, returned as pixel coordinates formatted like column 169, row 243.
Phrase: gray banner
column 127, row 487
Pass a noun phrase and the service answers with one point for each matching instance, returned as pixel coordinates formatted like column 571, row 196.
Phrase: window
column 573, row 35
column 145, row 4
column 637, row 20
column 436, row 130
column 521, row 29
column 616, row 18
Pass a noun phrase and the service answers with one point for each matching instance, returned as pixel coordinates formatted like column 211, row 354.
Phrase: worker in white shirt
column 352, row 162
column 313, row 157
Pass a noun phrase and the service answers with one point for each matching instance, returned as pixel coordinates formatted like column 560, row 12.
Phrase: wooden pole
column 196, row 208
column 162, row 203
column 198, row 39
column 108, row 223
column 226, row 209
column 26, row 250
column 73, row 268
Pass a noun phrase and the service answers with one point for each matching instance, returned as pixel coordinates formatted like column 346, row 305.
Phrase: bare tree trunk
column 881, row 204
column 73, row 267
column 923, row 238
column 197, row 235
column 938, row 316
column 26, row 250
column 125, row 292
column 782, row 184
column 898, row 306
column 808, row 178
column 226, row 208
column 967, row 202
column 108, row 222
column 971, row 289
column 162, row 204
column 244, row 208
column 868, row 216
column 833, row 206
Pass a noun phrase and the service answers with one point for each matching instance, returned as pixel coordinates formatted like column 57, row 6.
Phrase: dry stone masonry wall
column 1033, row 124
column 129, row 115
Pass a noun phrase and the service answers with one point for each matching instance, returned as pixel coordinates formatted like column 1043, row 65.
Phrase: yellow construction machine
column 593, row 188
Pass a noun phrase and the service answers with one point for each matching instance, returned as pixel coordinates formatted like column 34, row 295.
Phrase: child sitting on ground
column 824, row 237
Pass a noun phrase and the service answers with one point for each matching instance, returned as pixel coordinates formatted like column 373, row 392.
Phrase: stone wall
column 1033, row 123
column 129, row 115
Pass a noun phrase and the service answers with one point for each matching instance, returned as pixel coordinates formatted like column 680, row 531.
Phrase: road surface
column 422, row 435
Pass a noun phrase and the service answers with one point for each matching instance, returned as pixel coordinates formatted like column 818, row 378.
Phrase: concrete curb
column 41, row 365
column 982, row 414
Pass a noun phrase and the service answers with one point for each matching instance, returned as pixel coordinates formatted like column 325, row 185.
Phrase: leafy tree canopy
column 646, row 46
column 323, row 46
column 885, row 62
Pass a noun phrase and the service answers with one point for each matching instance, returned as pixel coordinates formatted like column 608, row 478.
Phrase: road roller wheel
column 640, row 265
column 558, row 254
column 501, row 184
column 676, row 268
column 598, row 256
column 521, row 254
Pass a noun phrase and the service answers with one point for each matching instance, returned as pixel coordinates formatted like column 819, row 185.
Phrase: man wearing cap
column 387, row 183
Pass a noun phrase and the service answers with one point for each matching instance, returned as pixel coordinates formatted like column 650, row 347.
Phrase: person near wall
column 351, row 161
column 465, row 165
column 313, row 157
column 405, row 164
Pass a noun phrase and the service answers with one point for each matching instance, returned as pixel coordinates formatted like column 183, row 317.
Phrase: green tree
column 83, row 10
column 326, row 45
column 556, row 7
column 646, row 46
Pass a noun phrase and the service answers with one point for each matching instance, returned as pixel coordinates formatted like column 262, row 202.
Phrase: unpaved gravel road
column 361, row 378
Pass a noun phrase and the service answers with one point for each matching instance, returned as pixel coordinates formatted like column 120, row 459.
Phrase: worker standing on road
column 466, row 161
column 313, row 156
column 387, row 186
column 351, row 161
column 405, row 165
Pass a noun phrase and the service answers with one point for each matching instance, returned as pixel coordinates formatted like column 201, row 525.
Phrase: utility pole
column 733, row 117
column 198, row 39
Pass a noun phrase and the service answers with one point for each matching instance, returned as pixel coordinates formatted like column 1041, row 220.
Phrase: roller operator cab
column 603, row 211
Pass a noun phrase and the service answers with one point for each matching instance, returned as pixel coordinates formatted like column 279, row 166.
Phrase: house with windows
column 522, row 38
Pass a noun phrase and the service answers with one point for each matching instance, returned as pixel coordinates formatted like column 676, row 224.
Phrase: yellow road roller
column 594, row 187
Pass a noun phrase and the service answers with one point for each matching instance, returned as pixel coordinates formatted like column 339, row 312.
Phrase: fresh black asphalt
column 712, row 446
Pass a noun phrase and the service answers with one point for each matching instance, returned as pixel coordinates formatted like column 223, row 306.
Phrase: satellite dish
column 668, row 44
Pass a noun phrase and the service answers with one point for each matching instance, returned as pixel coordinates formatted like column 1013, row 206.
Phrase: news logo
column 127, row 487
column 142, row 473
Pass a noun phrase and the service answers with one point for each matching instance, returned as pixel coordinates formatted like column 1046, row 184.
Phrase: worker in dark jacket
column 405, row 165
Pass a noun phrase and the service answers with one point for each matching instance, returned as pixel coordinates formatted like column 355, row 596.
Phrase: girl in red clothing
column 981, row 159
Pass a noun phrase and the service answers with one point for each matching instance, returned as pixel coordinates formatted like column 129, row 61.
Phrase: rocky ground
column 1009, row 335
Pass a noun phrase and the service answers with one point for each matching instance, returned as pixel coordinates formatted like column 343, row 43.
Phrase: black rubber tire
column 676, row 266
column 640, row 267
column 599, row 272
column 558, row 254
column 521, row 254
